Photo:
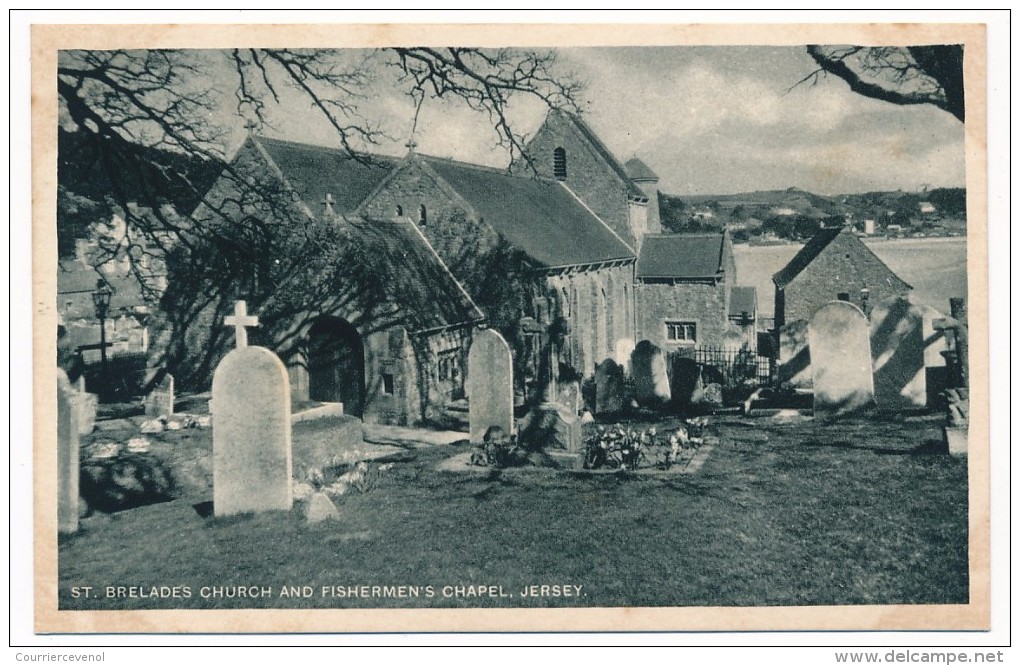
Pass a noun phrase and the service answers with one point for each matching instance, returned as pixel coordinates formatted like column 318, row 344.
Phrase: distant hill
column 796, row 213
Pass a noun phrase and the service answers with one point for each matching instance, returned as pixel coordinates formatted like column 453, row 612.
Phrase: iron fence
column 732, row 368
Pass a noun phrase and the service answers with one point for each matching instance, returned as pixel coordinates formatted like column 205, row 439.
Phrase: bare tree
column 931, row 74
column 130, row 103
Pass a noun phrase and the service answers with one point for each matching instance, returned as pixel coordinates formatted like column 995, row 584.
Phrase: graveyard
column 252, row 506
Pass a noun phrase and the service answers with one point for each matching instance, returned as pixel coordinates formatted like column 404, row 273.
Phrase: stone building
column 684, row 290
column 396, row 357
column 834, row 265
column 444, row 236
column 466, row 211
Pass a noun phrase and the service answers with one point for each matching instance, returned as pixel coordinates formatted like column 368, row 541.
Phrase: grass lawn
column 860, row 512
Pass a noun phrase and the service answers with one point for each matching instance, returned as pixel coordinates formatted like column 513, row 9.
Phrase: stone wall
column 599, row 308
column 588, row 175
column 845, row 265
column 704, row 304
column 449, row 224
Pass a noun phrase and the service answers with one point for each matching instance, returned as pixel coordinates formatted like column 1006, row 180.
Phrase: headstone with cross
column 327, row 204
column 251, row 427
column 240, row 320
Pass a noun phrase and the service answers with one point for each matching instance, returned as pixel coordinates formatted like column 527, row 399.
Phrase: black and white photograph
column 414, row 328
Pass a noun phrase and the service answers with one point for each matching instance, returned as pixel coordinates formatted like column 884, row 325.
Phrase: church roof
column 315, row 171
column 681, row 256
column 412, row 275
column 638, row 170
column 607, row 155
column 743, row 299
column 538, row 216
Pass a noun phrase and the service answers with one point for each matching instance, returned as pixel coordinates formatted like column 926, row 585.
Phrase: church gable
column 566, row 149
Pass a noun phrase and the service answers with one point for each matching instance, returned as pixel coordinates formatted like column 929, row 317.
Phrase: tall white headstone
column 839, row 341
column 251, row 429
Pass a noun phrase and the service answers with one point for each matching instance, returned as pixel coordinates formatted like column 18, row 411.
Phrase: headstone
column 570, row 396
column 160, row 402
column 840, row 345
column 684, row 379
column 897, row 352
column 86, row 407
column 490, row 384
column 320, row 508
column 648, row 370
column 609, row 387
column 794, row 363
column 67, row 457
column 624, row 348
column 711, row 396
column 550, row 426
column 251, row 430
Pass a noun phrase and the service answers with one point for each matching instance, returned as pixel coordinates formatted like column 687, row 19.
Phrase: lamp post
column 865, row 295
column 101, row 299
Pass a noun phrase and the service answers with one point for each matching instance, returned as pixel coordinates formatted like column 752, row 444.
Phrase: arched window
column 423, row 215
column 400, row 210
column 560, row 163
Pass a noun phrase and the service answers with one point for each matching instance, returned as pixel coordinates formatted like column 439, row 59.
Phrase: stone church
column 584, row 227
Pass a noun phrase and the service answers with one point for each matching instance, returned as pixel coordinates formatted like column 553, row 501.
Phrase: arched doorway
column 336, row 364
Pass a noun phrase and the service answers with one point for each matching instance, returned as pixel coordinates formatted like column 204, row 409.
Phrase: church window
column 423, row 215
column 681, row 331
column 560, row 163
column 387, row 383
column 449, row 366
column 400, row 210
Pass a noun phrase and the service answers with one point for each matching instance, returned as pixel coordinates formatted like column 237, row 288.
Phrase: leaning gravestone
column 490, row 385
column 838, row 337
column 897, row 352
column 648, row 370
column 160, row 402
column 251, row 428
column 67, row 457
column 609, row 386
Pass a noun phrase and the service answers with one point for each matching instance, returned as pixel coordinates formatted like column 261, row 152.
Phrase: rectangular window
column 681, row 331
column 387, row 383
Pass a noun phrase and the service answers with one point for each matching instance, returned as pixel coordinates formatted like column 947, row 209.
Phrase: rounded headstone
column 490, row 384
column 251, row 433
column 839, row 339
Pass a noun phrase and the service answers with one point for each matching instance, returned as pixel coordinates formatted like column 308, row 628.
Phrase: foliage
column 499, row 450
column 625, row 449
column 123, row 481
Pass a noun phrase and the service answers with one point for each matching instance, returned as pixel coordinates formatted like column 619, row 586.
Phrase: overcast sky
column 708, row 120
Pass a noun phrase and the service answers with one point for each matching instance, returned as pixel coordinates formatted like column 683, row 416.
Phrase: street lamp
column 101, row 299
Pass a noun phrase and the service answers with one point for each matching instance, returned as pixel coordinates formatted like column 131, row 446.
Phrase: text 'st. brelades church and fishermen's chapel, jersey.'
column 436, row 235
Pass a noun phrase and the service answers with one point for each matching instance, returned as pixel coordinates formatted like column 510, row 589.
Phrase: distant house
column 926, row 208
column 685, row 285
column 833, row 265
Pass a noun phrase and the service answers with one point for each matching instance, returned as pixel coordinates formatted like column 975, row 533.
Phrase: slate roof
column 681, row 256
column 638, row 170
column 813, row 248
column 538, row 216
column 314, row 171
column 412, row 276
column 743, row 299
column 607, row 155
